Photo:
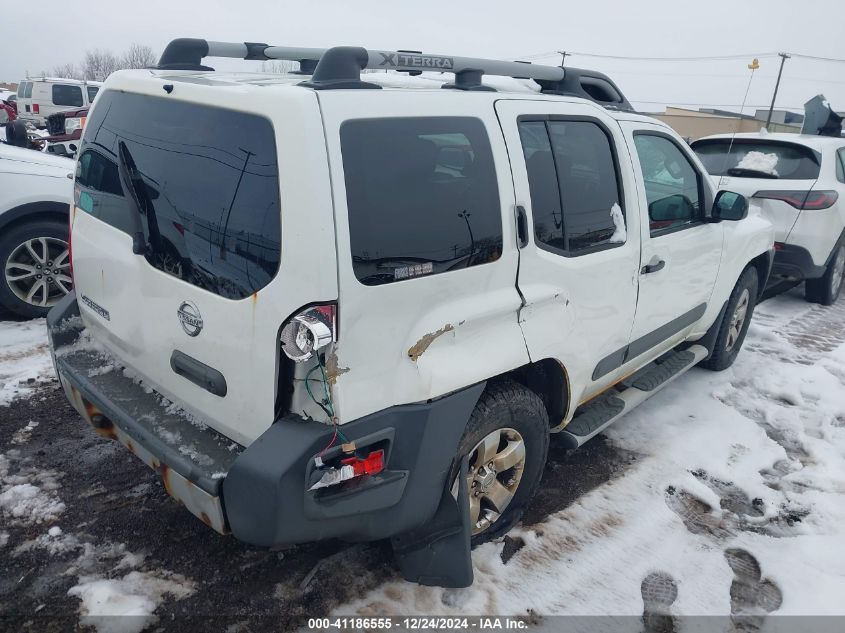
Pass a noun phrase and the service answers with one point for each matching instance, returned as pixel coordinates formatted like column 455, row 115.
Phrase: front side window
column 672, row 185
column 64, row 95
column 422, row 196
column 574, row 185
column 203, row 181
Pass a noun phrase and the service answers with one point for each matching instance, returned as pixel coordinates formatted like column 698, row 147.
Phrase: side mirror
column 730, row 206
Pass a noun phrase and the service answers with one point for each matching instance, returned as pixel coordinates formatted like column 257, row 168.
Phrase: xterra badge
column 190, row 318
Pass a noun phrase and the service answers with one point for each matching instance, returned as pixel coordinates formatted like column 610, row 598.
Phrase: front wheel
column 825, row 290
column 506, row 441
column 735, row 322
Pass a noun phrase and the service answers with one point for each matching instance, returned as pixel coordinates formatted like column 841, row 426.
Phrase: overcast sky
column 485, row 28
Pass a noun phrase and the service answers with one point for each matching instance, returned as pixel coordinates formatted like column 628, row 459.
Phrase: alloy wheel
column 738, row 319
column 38, row 271
column 496, row 465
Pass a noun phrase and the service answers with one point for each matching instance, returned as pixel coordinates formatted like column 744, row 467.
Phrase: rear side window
column 92, row 92
column 64, row 95
column 205, row 180
column 757, row 159
column 422, row 196
column 574, row 185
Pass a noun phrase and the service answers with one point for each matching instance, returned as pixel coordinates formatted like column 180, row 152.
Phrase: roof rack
column 341, row 66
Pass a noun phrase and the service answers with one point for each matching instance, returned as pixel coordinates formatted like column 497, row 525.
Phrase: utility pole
column 783, row 58
column 563, row 58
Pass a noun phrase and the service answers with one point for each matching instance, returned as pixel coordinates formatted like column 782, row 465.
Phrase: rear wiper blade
column 744, row 172
column 124, row 165
column 139, row 195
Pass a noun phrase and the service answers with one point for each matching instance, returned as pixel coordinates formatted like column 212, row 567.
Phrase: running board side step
column 593, row 417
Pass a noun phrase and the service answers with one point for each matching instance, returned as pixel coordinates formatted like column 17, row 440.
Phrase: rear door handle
column 521, row 226
column 653, row 267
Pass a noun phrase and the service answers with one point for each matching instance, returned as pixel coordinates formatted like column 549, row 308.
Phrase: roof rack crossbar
column 189, row 53
column 341, row 66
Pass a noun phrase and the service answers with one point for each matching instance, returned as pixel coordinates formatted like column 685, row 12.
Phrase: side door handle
column 521, row 226
column 653, row 267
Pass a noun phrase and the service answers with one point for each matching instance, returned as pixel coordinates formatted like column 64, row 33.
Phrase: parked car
column 799, row 180
column 35, row 196
column 65, row 130
column 39, row 98
column 387, row 298
column 7, row 113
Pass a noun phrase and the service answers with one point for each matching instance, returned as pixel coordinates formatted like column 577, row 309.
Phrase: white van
column 41, row 97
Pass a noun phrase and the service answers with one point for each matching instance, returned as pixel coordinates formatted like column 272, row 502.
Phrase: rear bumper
column 795, row 262
column 260, row 493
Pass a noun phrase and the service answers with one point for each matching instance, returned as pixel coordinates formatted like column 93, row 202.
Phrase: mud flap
column 438, row 554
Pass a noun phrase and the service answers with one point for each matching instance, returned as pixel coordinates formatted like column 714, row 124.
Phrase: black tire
column 725, row 349
column 10, row 240
column 16, row 134
column 825, row 290
column 506, row 404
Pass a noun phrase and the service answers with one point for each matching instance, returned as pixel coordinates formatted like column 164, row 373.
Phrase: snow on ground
column 739, row 489
column 24, row 358
column 134, row 598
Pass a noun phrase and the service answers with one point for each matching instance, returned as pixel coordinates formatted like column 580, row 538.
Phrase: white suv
column 324, row 306
column 799, row 180
column 35, row 197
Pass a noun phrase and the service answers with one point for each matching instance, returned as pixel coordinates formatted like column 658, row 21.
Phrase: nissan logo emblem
column 190, row 318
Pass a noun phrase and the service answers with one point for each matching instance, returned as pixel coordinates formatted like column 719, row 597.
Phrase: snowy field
column 730, row 500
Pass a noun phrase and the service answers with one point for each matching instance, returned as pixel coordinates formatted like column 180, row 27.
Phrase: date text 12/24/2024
column 418, row 623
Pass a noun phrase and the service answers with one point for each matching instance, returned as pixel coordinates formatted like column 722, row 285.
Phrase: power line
column 654, row 59
column 702, row 58
column 669, row 102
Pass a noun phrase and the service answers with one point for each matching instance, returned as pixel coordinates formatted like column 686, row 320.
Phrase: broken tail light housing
column 309, row 331
column 803, row 200
column 351, row 468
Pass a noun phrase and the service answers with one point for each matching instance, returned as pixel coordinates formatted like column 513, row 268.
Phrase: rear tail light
column 351, row 468
column 36, row 109
column 809, row 200
column 309, row 331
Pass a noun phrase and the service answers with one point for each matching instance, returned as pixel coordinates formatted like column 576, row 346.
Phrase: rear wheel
column 735, row 322
column 825, row 290
column 36, row 267
column 506, row 441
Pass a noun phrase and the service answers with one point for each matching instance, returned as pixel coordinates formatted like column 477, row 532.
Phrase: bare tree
column 138, row 56
column 66, row 71
column 98, row 65
column 279, row 66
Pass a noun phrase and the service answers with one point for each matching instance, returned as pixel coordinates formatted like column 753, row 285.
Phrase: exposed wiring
column 326, row 405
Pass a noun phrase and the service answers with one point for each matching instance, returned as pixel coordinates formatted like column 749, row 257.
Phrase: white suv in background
column 36, row 191
column 41, row 97
column 799, row 180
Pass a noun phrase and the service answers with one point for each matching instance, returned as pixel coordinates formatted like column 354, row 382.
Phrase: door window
column 422, row 196
column 92, row 92
column 27, row 94
column 673, row 186
column 574, row 186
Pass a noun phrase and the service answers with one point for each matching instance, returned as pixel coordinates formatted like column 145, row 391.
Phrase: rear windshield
column 203, row 181
column 750, row 159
